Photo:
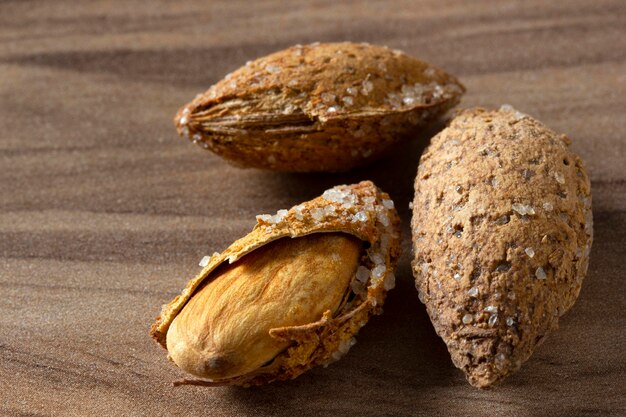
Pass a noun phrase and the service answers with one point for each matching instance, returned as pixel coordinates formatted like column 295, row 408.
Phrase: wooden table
column 104, row 212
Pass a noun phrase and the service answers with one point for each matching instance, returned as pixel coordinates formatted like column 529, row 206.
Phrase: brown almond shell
column 318, row 107
column 326, row 340
column 502, row 229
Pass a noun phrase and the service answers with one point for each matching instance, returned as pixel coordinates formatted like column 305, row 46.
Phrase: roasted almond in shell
column 290, row 295
column 502, row 229
column 319, row 107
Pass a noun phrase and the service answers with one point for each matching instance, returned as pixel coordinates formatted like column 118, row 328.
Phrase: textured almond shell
column 323, row 341
column 319, row 107
column 477, row 257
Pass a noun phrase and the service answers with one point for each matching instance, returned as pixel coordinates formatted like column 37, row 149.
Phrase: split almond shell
column 361, row 210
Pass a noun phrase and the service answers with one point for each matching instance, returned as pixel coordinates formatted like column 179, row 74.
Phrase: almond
column 502, row 229
column 319, row 107
column 224, row 329
column 290, row 295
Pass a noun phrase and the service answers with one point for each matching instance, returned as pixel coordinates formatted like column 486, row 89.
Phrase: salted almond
column 502, row 229
column 319, row 107
column 290, row 295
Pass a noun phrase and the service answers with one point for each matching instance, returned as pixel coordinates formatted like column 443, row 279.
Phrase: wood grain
column 104, row 212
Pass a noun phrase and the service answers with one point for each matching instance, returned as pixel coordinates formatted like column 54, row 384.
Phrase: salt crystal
column 317, row 213
column 367, row 87
column 359, row 217
column 333, row 195
column 559, row 178
column 437, row 91
column 388, row 204
column 540, row 273
column 467, row 319
column 204, row 261
column 332, row 109
column 491, row 309
column 353, row 91
column 377, row 258
column 272, row 69
column 493, row 320
column 522, row 209
column 530, row 252
column 347, row 100
column 265, row 218
column 457, row 276
column 473, row 292
column 379, row 271
column 510, row 109
column 280, row 216
column 298, row 212
column 362, row 274
column 548, row 206
column 383, row 218
column 510, row 321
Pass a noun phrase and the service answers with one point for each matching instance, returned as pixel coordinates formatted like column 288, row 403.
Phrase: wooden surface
column 104, row 212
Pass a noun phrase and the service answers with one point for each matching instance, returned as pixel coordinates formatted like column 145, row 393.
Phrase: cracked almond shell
column 361, row 211
column 318, row 107
column 502, row 229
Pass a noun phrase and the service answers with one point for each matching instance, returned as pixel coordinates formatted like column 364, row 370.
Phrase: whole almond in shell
column 502, row 229
column 319, row 107
column 290, row 295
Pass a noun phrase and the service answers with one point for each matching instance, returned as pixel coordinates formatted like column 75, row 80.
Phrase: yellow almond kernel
column 223, row 331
